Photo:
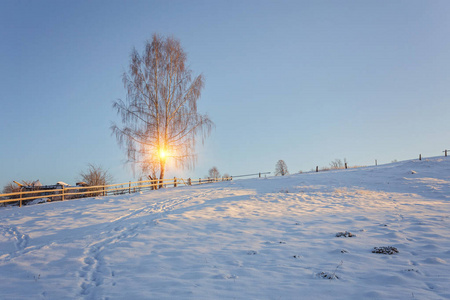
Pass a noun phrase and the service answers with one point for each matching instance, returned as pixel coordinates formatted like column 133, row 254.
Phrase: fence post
column 317, row 168
column 199, row 181
column 129, row 187
column 103, row 188
column 174, row 182
column 259, row 174
column 376, row 163
column 62, row 197
column 420, row 156
column 346, row 165
column 20, row 197
column 445, row 152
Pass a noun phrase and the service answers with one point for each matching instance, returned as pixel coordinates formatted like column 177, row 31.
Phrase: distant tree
column 159, row 116
column 213, row 173
column 281, row 168
column 13, row 187
column 96, row 175
column 226, row 176
column 10, row 187
column 336, row 164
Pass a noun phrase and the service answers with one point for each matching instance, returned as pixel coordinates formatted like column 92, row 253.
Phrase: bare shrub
column 15, row 187
column 95, row 176
column 10, row 187
column 330, row 275
column 336, row 164
column 214, row 173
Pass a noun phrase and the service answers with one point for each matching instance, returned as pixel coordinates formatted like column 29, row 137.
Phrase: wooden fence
column 66, row 193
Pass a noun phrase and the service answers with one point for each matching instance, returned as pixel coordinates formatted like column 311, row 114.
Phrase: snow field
column 249, row 239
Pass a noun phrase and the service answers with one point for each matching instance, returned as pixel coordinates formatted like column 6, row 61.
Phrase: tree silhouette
column 281, row 168
column 213, row 173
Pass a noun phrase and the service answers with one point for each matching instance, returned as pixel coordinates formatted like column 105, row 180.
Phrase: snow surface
column 271, row 238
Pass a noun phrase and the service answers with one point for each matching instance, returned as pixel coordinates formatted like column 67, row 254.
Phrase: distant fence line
column 77, row 192
column 345, row 166
column 66, row 193
column 256, row 174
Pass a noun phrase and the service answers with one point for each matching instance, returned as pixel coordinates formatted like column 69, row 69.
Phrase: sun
column 162, row 154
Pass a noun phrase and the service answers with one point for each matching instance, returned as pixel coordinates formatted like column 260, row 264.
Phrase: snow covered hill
column 271, row 238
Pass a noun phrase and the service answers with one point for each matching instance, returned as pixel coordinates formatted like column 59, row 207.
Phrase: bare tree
column 213, row 173
column 96, row 175
column 15, row 187
column 281, row 168
column 159, row 116
column 11, row 187
column 336, row 164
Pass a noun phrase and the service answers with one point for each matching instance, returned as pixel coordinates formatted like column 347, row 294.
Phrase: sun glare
column 162, row 154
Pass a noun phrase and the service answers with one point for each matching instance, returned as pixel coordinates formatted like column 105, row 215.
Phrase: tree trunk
column 161, row 175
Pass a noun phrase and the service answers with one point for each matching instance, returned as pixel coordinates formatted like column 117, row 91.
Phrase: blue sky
column 302, row 81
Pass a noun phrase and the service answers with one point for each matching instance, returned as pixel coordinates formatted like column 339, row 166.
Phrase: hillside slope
column 272, row 238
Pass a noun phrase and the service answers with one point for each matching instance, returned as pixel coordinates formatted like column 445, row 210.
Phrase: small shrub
column 336, row 164
column 214, row 173
column 332, row 275
column 328, row 276
column 95, row 176
column 345, row 234
column 385, row 250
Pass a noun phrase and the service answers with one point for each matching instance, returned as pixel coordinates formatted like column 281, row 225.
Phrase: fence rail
column 255, row 174
column 66, row 193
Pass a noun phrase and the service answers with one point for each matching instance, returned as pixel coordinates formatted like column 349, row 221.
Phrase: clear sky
column 302, row 81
